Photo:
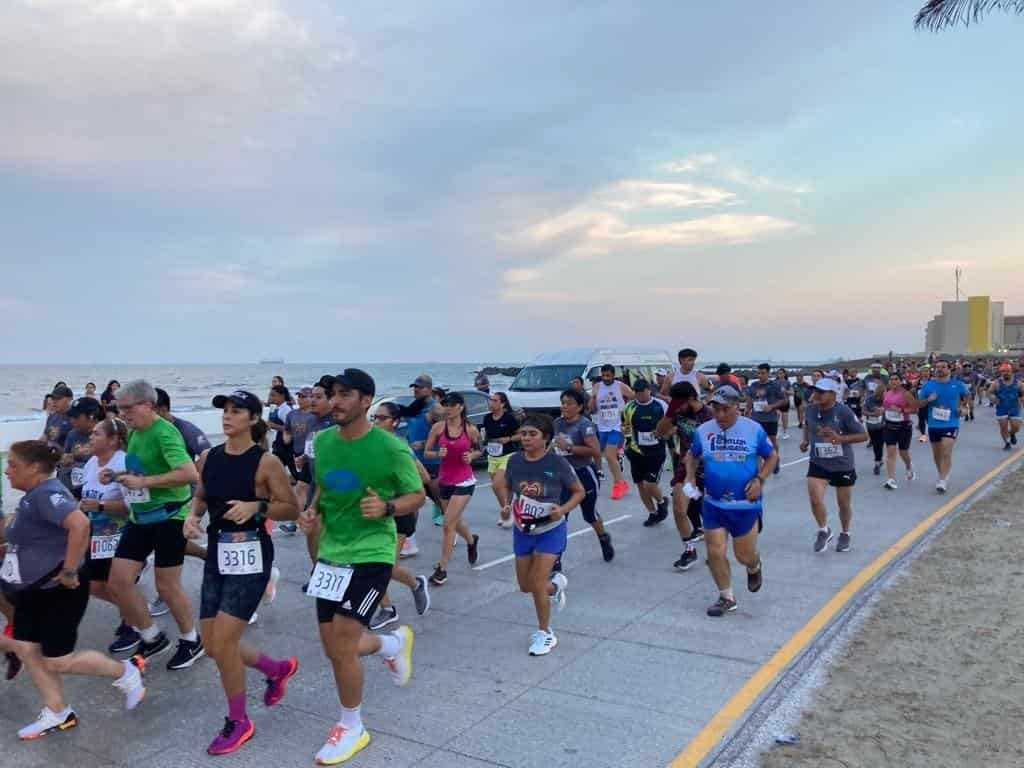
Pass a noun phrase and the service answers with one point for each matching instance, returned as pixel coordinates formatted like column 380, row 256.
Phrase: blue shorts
column 938, row 434
column 551, row 542
column 737, row 522
column 613, row 437
column 1007, row 413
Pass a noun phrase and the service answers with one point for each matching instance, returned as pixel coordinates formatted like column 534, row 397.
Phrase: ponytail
column 38, row 452
column 259, row 432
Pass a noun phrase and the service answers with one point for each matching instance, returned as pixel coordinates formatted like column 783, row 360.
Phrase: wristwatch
column 389, row 509
column 264, row 506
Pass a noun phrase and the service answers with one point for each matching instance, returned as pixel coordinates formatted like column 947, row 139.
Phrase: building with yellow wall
column 973, row 327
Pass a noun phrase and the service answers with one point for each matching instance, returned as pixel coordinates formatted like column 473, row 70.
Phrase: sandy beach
column 935, row 675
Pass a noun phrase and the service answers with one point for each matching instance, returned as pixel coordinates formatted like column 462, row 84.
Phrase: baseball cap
column 242, row 399
column 876, row 364
column 834, row 374
column 453, row 398
column 305, row 392
column 827, row 385
column 62, row 391
column 360, row 381
column 661, row 372
column 1006, row 367
column 481, row 380
column 726, row 395
column 723, row 368
column 423, row 380
column 84, row 406
column 640, row 385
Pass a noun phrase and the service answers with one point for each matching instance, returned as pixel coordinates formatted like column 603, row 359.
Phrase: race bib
column 10, row 571
column 828, row 451
column 103, row 547
column 239, row 554
column 77, row 477
column 609, row 413
column 495, row 449
column 135, row 495
column 853, row 394
column 646, row 438
column 941, row 414
column 528, row 510
column 329, row 582
column 873, row 419
column 894, row 415
column 760, row 406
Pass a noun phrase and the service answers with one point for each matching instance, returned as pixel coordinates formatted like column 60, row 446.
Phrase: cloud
column 690, row 163
column 521, row 275
column 765, row 183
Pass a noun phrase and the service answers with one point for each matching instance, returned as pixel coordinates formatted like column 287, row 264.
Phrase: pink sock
column 236, row 707
column 270, row 667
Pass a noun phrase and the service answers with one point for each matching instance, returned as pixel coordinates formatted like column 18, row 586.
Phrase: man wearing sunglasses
column 738, row 458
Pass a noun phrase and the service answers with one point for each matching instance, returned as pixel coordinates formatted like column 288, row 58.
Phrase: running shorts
column 368, row 584
column 50, row 617
column 1007, row 413
column 836, row 478
column 770, row 427
column 164, row 540
column 239, row 595
column 405, row 525
column 899, row 434
column 737, row 522
column 938, row 434
column 551, row 542
column 447, row 491
column 612, row 437
column 646, row 467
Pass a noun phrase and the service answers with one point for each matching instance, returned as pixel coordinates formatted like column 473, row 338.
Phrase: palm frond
column 939, row 14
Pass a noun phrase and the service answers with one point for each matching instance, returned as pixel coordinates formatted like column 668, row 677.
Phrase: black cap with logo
column 242, row 399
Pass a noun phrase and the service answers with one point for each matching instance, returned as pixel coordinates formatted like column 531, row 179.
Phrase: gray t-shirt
column 300, row 424
column 195, row 439
column 536, row 486
column 764, row 393
column 37, row 537
column 834, row 458
column 577, row 432
column 873, row 383
column 73, row 476
column 57, row 427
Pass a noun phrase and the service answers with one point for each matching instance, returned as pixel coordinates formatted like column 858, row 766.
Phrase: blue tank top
column 1007, row 396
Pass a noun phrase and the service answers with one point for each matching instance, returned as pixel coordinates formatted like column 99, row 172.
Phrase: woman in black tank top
column 241, row 487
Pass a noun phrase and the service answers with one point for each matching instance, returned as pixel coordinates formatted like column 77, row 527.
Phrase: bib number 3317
column 329, row 582
column 239, row 554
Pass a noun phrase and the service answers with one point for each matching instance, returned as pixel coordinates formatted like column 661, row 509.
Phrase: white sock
column 727, row 594
column 390, row 646
column 351, row 719
column 149, row 634
column 190, row 636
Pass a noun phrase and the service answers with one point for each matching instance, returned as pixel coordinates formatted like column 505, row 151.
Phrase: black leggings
column 922, row 420
column 877, row 443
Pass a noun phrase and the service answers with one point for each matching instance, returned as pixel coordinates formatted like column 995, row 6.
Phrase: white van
column 539, row 385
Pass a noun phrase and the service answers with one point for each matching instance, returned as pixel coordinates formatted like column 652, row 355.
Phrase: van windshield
column 545, row 378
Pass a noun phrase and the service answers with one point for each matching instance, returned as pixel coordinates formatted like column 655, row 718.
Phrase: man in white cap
column 830, row 429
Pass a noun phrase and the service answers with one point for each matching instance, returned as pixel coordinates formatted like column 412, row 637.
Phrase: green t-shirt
column 157, row 450
column 344, row 470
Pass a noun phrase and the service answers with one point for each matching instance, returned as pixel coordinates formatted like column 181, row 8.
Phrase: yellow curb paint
column 734, row 709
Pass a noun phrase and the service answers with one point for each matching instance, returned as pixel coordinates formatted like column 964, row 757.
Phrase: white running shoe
column 254, row 618
column 785, row 435
column 48, row 722
column 400, row 666
column 130, row 683
column 542, row 643
column 409, row 547
column 270, row 593
column 342, row 744
column 940, row 486
column 911, row 475
column 561, row 582
column 890, row 484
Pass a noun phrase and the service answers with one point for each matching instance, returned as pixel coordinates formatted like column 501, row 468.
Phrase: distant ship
column 272, row 361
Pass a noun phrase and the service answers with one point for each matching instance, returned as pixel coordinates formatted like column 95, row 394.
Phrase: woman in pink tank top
column 456, row 442
column 897, row 406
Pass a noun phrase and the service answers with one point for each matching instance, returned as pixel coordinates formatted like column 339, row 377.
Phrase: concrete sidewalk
column 638, row 671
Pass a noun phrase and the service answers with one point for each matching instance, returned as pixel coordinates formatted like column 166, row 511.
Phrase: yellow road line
column 719, row 725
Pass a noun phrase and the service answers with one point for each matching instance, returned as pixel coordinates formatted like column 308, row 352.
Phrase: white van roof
column 584, row 356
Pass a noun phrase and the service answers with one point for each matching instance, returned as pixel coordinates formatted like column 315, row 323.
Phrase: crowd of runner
column 117, row 487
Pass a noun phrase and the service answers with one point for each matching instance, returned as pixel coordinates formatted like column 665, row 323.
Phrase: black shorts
column 165, row 540
column 798, row 401
column 646, row 467
column 300, row 475
column 369, row 583
column 588, row 479
column 50, row 617
column 238, row 595
column 899, row 434
column 406, row 524
column 447, row 491
column 771, row 427
column 938, row 434
column 784, row 408
column 97, row 570
column 845, row 479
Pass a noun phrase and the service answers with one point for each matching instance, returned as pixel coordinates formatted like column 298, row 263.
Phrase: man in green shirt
column 157, row 488
column 364, row 478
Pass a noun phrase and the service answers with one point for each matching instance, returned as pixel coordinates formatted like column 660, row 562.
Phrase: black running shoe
column 652, row 519
column 439, row 576
column 126, row 640
column 159, row 645
column 686, row 560
column 13, row 665
column 693, row 538
column 878, row 468
column 471, row 550
column 662, row 510
column 721, row 606
column 1013, row 438
column 607, row 550
column 188, row 653
column 822, row 540
column 385, row 616
column 754, row 579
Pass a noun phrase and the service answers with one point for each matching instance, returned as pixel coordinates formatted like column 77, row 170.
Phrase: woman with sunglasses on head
column 543, row 489
column 42, row 575
column 501, row 439
column 241, row 485
column 453, row 441
column 387, row 417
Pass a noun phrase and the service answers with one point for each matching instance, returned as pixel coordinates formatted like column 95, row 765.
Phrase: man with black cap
column 418, row 424
column 738, row 458
column 83, row 415
column 364, row 478
column 57, row 423
column 830, row 429
column 482, row 384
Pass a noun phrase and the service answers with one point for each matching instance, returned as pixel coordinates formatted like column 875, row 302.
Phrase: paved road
column 638, row 672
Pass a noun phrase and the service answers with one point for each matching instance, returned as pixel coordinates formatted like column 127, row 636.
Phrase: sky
column 226, row 180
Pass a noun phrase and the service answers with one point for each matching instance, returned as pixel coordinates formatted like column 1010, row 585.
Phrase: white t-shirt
column 92, row 488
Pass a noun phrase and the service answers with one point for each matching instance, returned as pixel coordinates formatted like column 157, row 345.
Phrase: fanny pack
column 159, row 514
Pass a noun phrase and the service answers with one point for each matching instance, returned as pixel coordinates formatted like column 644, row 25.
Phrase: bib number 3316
column 329, row 582
column 239, row 554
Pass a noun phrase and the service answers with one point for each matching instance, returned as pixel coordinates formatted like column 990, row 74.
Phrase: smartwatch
column 389, row 509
